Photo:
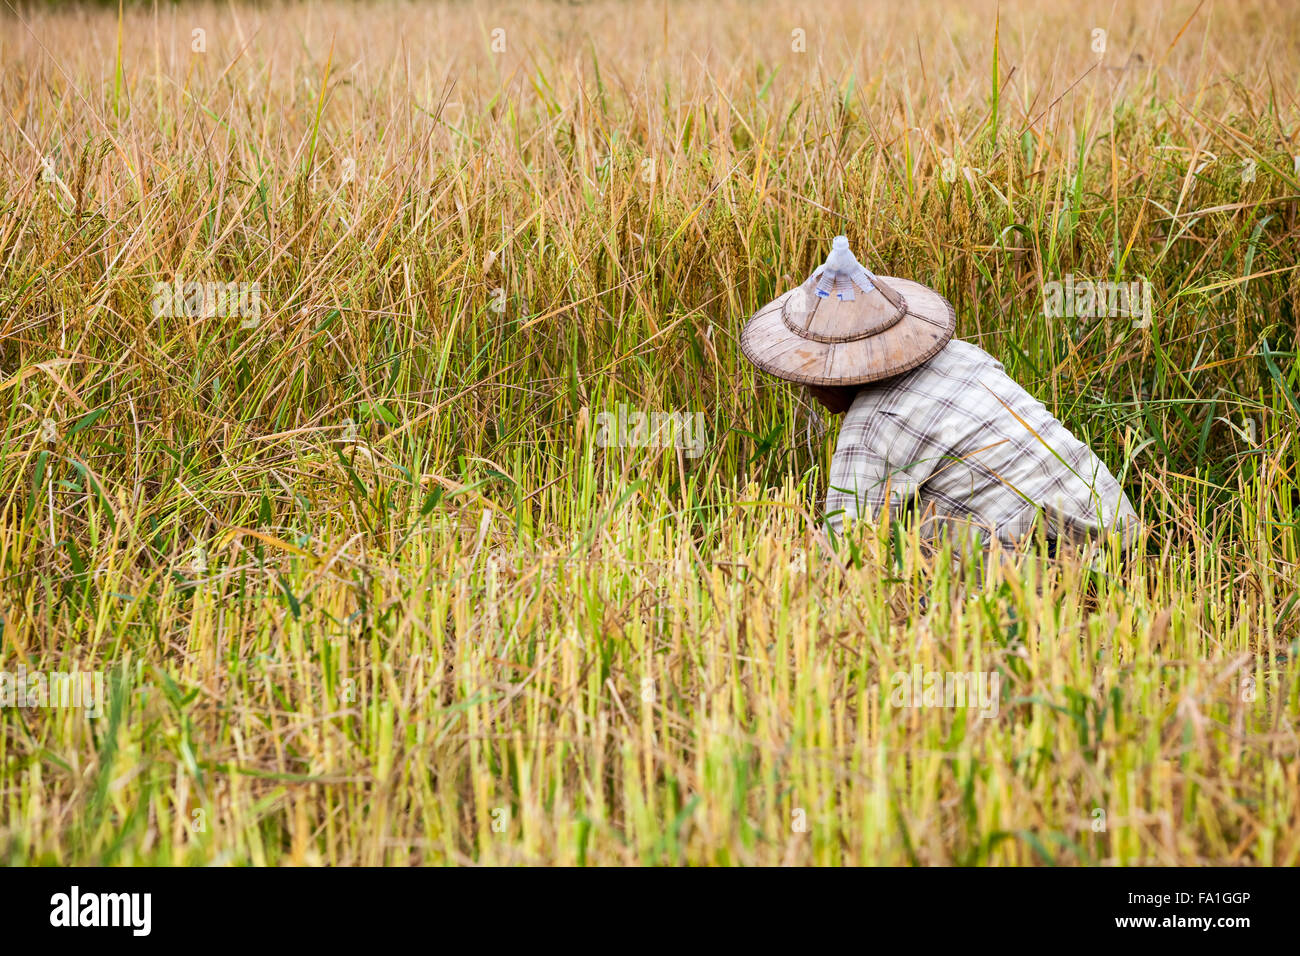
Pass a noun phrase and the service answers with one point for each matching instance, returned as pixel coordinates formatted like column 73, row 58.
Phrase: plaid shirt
column 972, row 446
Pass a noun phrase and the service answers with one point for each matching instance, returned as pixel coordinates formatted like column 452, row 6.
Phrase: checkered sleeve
column 1098, row 507
column 863, row 479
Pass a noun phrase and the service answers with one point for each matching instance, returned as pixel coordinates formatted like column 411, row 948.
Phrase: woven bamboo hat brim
column 846, row 326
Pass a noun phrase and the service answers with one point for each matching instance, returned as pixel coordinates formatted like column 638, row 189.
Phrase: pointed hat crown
column 841, row 301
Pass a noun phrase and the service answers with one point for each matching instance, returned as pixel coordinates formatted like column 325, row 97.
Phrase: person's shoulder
column 959, row 352
column 957, row 361
column 962, row 359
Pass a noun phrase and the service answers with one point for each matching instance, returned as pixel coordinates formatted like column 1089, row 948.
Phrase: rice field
column 321, row 327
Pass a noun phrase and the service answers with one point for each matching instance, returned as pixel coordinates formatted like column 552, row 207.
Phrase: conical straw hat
column 846, row 326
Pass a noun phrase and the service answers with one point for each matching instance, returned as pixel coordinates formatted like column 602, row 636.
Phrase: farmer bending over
column 933, row 423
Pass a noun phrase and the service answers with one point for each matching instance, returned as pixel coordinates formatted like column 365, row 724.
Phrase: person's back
column 960, row 437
